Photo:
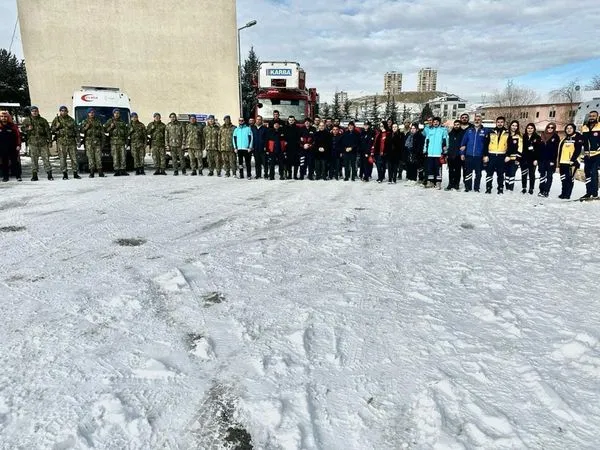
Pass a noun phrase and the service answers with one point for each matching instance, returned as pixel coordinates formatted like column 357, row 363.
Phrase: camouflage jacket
column 92, row 131
column 174, row 134
column 137, row 133
column 210, row 136
column 156, row 131
column 38, row 131
column 65, row 130
column 193, row 136
column 226, row 138
column 117, row 131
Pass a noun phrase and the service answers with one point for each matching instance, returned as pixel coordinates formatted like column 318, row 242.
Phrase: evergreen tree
column 426, row 112
column 394, row 110
column 249, row 81
column 406, row 113
column 356, row 112
column 347, row 106
column 325, row 110
column 388, row 107
column 365, row 111
column 374, row 111
column 336, row 109
column 13, row 79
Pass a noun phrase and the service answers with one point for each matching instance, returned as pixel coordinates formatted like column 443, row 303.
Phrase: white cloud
column 475, row 45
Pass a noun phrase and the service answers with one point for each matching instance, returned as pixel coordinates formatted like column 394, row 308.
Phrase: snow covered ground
column 164, row 312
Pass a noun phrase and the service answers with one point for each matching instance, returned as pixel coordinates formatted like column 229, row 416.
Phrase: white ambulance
column 103, row 100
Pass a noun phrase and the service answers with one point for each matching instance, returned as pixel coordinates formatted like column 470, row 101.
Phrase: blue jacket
column 259, row 137
column 435, row 140
column 473, row 141
column 242, row 138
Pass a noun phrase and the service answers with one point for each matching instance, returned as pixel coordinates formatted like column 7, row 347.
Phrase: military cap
column 116, row 110
column 156, row 115
column 211, row 117
column 227, row 117
column 63, row 108
column 34, row 108
column 134, row 114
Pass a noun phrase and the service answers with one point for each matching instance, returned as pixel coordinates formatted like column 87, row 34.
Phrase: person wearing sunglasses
column 548, row 156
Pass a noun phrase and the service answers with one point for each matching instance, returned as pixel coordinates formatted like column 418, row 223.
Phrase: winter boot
column 241, row 173
column 163, row 172
column 157, row 172
column 142, row 171
column 137, row 171
column 194, row 173
column 50, row 177
column 124, row 173
column 101, row 174
column 176, row 173
column 228, row 174
column 183, row 172
column 210, row 173
column 76, row 176
column 65, row 176
column 91, row 174
column 200, row 172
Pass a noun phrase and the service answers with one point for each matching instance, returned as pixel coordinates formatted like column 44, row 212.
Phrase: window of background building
column 537, row 115
column 552, row 114
column 462, row 105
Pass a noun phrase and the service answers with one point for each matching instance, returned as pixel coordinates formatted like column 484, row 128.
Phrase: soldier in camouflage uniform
column 64, row 128
column 93, row 134
column 174, row 139
column 226, row 147
column 118, row 131
column 156, row 131
column 137, row 142
column 193, row 144
column 39, row 140
column 210, row 136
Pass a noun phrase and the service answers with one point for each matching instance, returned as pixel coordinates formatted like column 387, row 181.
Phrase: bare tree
column 594, row 83
column 512, row 98
column 569, row 93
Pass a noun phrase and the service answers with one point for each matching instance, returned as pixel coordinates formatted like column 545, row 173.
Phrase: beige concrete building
column 539, row 114
column 167, row 56
column 427, row 80
column 392, row 83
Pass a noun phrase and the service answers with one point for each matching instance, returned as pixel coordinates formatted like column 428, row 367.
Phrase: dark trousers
column 367, row 168
column 321, row 169
column 591, row 166
column 412, row 169
column 527, row 174
column 381, row 163
column 260, row 161
column 392, row 168
column 307, row 164
column 401, row 168
column 350, row 166
column 473, row 164
column 244, row 157
column 334, row 167
column 510, row 170
column 433, row 169
column 566, row 178
column 10, row 156
column 273, row 160
column 455, row 166
column 546, row 175
column 495, row 166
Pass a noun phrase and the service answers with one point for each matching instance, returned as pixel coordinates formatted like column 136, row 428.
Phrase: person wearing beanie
column 174, row 139
column 64, row 128
column 210, row 137
column 92, row 134
column 39, row 139
column 192, row 138
column 117, row 131
column 226, row 147
column 137, row 143
column 156, row 131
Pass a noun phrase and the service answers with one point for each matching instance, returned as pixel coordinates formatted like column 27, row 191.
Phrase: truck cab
column 103, row 100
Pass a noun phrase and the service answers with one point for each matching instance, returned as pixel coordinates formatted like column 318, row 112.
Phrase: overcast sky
column 476, row 45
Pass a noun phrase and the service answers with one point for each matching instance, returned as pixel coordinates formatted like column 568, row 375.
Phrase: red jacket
column 12, row 138
column 382, row 143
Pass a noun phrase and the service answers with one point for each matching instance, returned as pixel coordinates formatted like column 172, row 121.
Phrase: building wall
column 540, row 115
column 427, row 80
column 392, row 83
column 168, row 57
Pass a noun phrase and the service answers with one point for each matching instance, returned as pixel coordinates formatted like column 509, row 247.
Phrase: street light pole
column 248, row 25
